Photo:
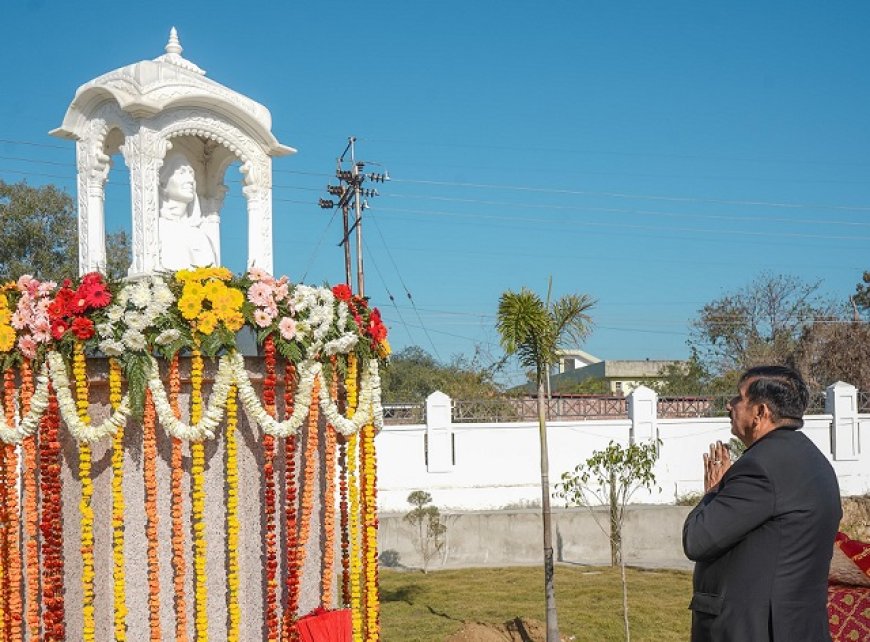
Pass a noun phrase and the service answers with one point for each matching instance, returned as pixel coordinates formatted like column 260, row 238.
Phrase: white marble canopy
column 145, row 109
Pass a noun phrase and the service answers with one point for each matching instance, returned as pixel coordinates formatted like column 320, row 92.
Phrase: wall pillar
column 643, row 412
column 439, row 433
column 841, row 402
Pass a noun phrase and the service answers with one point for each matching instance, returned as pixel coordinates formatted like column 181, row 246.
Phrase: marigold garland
column 233, row 612
column 179, row 567
column 119, row 588
column 51, row 527
column 197, row 507
column 345, row 537
column 149, row 468
column 370, row 542
column 7, row 497
column 353, row 534
column 271, row 552
column 288, row 630
column 13, row 561
column 307, row 500
column 329, row 502
column 85, row 508
column 31, row 510
column 349, row 461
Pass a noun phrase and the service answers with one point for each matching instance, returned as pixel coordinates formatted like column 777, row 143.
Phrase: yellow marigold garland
column 119, row 588
column 353, row 533
column 179, row 566
column 197, row 509
column 370, row 542
column 149, row 464
column 85, row 508
column 233, row 612
column 31, row 510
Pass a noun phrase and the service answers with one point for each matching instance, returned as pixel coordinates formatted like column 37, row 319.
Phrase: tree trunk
column 549, row 586
column 615, row 530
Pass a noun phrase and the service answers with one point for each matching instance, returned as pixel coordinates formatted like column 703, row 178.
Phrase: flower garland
column 179, row 568
column 288, row 631
column 85, row 508
column 197, row 509
column 353, row 532
column 271, row 553
column 370, row 542
column 119, row 589
column 329, row 502
column 152, row 517
column 350, row 392
column 31, row 510
column 12, row 574
column 307, row 500
column 51, row 526
column 39, row 401
column 232, row 465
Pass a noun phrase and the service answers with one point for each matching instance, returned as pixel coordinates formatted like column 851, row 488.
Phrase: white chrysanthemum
column 133, row 339
column 105, row 330
column 167, row 336
column 111, row 348
column 140, row 294
column 115, row 313
column 163, row 295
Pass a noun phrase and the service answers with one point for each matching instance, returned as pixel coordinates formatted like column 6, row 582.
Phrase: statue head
column 177, row 186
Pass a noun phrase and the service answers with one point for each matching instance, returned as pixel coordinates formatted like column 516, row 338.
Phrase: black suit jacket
column 762, row 542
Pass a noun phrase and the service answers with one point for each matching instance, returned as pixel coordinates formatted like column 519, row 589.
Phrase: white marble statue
column 187, row 238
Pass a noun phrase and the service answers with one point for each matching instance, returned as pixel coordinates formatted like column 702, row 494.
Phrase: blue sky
column 651, row 154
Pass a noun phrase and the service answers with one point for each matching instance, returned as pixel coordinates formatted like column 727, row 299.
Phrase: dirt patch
column 516, row 630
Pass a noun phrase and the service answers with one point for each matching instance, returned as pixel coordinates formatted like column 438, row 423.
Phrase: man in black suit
column 763, row 534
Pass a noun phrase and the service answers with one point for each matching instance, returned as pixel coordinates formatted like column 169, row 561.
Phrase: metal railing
column 404, row 413
column 864, row 401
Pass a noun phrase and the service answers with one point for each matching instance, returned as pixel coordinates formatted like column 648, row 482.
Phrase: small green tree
column 426, row 519
column 610, row 477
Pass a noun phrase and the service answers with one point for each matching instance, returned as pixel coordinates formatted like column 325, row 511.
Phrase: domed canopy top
column 149, row 87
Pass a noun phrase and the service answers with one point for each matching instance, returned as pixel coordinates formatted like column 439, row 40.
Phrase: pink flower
column 262, row 319
column 258, row 274
column 27, row 346
column 287, row 328
column 260, row 294
column 281, row 291
column 46, row 288
column 19, row 319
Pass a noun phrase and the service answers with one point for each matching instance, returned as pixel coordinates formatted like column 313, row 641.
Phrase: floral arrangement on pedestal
column 49, row 332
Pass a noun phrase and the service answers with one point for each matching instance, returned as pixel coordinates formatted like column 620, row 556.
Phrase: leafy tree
column 413, row 374
column 534, row 330
column 426, row 518
column 39, row 235
column 759, row 323
column 610, row 477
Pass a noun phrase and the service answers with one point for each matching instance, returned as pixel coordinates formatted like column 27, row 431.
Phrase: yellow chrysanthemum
column 4, row 301
column 5, row 315
column 237, row 298
column 190, row 307
column 234, row 321
column 7, row 338
column 194, row 290
column 384, row 349
column 221, row 273
column 207, row 322
column 214, row 290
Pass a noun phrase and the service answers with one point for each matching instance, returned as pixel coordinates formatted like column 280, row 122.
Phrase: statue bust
column 187, row 238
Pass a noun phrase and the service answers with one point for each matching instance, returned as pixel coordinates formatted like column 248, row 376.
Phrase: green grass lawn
column 429, row 608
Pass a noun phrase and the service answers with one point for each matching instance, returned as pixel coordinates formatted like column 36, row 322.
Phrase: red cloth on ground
column 325, row 626
column 849, row 604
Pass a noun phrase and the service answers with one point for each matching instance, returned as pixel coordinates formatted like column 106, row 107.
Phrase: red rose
column 58, row 329
column 83, row 328
column 342, row 292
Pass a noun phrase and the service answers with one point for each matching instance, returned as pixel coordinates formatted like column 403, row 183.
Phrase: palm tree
column 534, row 330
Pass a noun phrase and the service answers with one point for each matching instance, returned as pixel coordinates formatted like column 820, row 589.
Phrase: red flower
column 83, row 328
column 342, row 292
column 92, row 278
column 61, row 306
column 376, row 328
column 79, row 302
column 58, row 329
column 98, row 296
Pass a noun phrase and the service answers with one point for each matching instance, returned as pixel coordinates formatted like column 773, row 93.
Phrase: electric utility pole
column 351, row 193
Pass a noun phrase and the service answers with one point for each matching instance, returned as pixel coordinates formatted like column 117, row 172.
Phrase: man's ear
column 761, row 412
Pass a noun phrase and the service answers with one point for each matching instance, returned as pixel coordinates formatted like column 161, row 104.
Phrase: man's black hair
column 781, row 389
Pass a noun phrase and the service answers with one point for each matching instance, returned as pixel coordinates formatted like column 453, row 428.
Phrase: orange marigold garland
column 31, row 510
column 85, row 508
column 53, row 626
column 13, row 615
column 179, row 567
column 119, row 588
column 329, row 501
column 288, row 631
column 197, row 507
column 149, row 465
column 233, row 612
column 311, row 448
column 271, row 553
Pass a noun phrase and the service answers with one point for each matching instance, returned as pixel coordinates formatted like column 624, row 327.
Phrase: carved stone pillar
column 143, row 154
column 258, row 193
column 93, row 169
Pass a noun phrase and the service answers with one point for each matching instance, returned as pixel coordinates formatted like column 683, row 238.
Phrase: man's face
column 742, row 413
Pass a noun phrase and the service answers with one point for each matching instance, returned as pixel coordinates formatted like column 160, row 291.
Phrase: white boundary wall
column 491, row 466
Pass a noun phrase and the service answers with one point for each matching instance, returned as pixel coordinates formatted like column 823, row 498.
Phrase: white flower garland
column 214, row 412
column 82, row 432
column 28, row 425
